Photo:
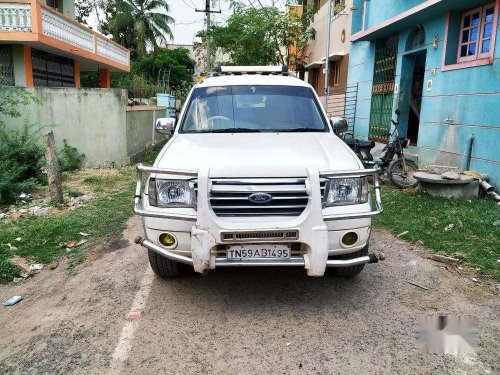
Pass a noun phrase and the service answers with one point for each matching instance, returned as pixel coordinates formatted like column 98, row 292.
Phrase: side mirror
column 339, row 124
column 398, row 112
column 165, row 125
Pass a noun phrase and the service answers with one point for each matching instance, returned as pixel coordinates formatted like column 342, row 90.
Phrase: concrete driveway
column 115, row 316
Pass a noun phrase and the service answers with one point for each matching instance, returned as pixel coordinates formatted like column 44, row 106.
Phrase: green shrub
column 69, row 158
column 20, row 162
column 141, row 88
column 12, row 99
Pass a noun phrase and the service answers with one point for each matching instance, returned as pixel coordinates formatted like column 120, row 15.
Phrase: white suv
column 254, row 175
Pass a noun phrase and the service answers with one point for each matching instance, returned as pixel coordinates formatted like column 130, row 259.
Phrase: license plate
column 258, row 251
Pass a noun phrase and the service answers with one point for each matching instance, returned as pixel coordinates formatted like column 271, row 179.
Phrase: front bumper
column 222, row 262
column 204, row 230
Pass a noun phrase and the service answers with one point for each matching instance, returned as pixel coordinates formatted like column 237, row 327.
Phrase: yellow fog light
column 166, row 239
column 350, row 238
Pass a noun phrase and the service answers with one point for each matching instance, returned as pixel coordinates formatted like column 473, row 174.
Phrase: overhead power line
column 190, row 6
column 189, row 22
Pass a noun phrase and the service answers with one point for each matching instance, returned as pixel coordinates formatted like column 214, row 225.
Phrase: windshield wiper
column 234, row 130
column 301, row 130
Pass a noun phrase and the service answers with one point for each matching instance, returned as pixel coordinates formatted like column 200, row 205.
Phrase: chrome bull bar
column 141, row 169
column 202, row 239
column 374, row 172
column 223, row 262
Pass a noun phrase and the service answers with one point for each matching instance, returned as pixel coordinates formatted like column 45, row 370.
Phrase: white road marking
column 122, row 350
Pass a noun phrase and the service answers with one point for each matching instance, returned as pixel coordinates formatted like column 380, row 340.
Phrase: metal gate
column 343, row 104
column 382, row 92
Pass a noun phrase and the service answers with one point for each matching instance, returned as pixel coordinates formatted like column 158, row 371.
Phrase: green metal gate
column 382, row 92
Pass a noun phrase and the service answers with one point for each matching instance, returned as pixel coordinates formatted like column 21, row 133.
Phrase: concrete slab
column 438, row 179
column 437, row 186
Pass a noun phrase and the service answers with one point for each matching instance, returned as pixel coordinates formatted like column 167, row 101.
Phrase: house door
column 415, row 102
column 382, row 91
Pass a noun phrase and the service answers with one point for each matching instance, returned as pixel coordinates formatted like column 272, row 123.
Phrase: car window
column 256, row 108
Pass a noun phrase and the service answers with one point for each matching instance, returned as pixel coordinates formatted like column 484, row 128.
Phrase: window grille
column 6, row 66
column 51, row 70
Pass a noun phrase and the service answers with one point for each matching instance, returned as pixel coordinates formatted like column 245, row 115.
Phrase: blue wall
column 381, row 10
column 462, row 102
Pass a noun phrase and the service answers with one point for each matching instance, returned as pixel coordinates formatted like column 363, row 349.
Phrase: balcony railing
column 24, row 16
column 112, row 51
column 15, row 17
column 55, row 26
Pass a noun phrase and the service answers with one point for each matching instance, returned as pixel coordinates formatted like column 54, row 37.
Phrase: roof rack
column 238, row 70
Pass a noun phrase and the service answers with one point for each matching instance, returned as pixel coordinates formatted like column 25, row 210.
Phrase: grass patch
column 100, row 184
column 41, row 236
column 473, row 237
column 74, row 193
column 106, row 214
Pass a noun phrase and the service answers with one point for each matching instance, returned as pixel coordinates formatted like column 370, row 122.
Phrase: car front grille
column 230, row 197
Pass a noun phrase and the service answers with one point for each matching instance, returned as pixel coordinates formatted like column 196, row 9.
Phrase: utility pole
column 327, row 61
column 207, row 11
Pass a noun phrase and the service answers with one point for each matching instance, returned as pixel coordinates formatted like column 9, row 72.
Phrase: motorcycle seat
column 366, row 144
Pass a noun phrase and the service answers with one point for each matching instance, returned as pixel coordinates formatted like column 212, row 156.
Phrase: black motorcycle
column 400, row 171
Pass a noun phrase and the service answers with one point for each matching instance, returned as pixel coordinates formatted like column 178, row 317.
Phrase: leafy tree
column 137, row 24
column 295, row 34
column 83, row 9
column 168, row 67
column 173, row 67
column 263, row 36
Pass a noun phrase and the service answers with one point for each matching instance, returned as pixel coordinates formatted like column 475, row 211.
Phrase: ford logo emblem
column 260, row 198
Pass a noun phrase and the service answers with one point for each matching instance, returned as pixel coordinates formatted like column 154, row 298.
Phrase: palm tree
column 147, row 18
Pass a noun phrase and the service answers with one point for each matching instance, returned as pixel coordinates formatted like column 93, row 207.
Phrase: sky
column 188, row 22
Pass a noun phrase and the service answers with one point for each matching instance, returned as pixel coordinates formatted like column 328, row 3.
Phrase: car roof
column 252, row 79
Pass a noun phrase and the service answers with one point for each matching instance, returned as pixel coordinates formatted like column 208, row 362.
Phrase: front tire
column 166, row 268
column 350, row 271
column 401, row 175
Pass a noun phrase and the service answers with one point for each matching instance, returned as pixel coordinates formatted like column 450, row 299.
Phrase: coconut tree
column 147, row 20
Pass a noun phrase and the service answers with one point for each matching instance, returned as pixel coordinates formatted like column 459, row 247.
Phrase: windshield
column 253, row 109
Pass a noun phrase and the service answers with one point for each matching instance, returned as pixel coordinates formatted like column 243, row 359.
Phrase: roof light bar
column 252, row 69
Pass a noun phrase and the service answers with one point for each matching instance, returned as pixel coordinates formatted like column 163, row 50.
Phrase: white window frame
column 479, row 41
column 482, row 55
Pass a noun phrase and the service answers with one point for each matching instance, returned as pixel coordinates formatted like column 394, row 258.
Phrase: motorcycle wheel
column 400, row 176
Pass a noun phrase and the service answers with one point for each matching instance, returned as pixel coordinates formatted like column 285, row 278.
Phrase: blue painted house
column 438, row 61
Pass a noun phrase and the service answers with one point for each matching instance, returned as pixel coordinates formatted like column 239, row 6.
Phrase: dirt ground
column 115, row 316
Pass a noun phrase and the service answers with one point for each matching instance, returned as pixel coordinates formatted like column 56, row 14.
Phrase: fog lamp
column 166, row 239
column 350, row 238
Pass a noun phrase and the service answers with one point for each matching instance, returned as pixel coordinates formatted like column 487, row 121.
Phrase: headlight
column 171, row 193
column 342, row 191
